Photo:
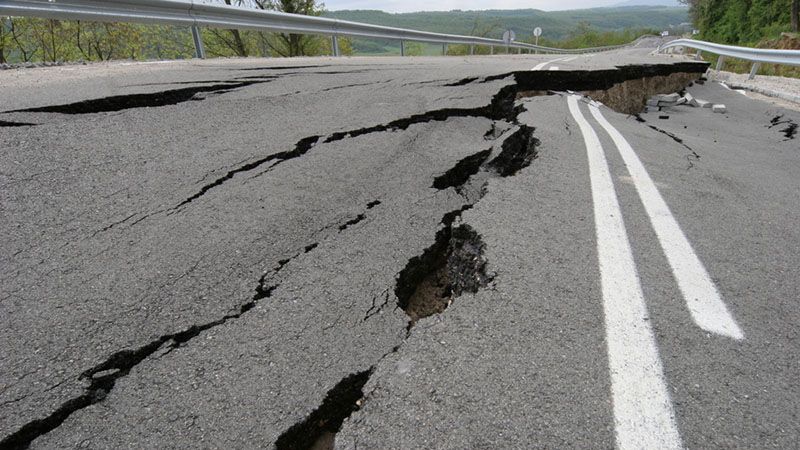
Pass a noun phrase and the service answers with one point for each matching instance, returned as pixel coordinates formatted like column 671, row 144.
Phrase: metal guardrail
column 199, row 13
column 755, row 55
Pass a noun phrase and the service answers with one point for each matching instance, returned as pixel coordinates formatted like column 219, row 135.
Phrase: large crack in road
column 452, row 265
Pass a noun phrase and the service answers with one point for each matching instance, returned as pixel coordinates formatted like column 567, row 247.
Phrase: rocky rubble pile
column 662, row 101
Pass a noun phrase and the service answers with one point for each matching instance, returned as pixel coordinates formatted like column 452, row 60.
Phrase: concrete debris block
column 690, row 100
column 719, row 108
column 681, row 101
column 704, row 104
column 652, row 102
column 669, row 98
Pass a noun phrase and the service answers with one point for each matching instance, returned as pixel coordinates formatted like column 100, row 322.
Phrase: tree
column 237, row 45
column 292, row 44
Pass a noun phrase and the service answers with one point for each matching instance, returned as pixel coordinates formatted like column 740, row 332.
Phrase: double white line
column 643, row 413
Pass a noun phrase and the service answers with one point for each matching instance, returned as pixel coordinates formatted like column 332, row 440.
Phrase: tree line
column 743, row 21
column 25, row 39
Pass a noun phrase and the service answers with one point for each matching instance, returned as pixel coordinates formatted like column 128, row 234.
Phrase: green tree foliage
column 743, row 22
column 25, row 39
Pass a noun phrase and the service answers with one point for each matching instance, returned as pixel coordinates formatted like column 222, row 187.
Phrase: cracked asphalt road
column 204, row 270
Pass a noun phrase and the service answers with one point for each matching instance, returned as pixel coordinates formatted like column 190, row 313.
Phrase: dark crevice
column 168, row 83
column 462, row 82
column 791, row 129
column 352, row 222
column 112, row 225
column 301, row 148
column 373, row 204
column 318, row 429
column 790, row 132
column 4, row 123
column 501, row 107
column 284, row 67
column 103, row 377
column 691, row 157
column 454, row 264
column 149, row 100
column 518, row 150
column 460, row 173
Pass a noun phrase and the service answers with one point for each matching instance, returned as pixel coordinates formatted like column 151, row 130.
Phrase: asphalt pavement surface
column 440, row 253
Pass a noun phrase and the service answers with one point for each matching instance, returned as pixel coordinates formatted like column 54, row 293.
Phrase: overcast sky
column 447, row 5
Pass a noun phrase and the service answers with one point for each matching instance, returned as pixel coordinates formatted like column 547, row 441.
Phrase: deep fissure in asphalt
column 149, row 100
column 452, row 265
column 318, row 430
column 4, row 123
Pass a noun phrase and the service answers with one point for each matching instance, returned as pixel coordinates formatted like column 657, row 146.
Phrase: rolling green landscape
column 557, row 26
column 25, row 40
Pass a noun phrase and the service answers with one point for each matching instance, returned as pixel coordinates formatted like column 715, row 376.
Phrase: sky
column 447, row 5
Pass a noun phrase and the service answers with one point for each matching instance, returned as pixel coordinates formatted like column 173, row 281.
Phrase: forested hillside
column 746, row 22
column 557, row 25
column 35, row 40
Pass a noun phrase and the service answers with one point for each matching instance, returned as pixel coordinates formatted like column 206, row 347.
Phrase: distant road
column 457, row 252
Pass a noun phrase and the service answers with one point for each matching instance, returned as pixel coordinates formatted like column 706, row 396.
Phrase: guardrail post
column 402, row 47
column 444, row 49
column 699, row 55
column 720, row 63
column 754, row 70
column 491, row 49
column 472, row 49
column 199, row 50
column 335, row 45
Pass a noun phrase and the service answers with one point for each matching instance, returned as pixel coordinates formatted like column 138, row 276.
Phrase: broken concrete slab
column 719, row 109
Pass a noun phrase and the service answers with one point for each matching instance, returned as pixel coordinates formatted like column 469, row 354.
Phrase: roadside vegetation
column 32, row 40
column 750, row 23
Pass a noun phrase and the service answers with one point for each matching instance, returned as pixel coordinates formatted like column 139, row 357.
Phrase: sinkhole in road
column 454, row 264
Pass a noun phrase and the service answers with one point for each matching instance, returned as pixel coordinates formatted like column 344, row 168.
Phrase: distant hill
column 556, row 24
column 673, row 3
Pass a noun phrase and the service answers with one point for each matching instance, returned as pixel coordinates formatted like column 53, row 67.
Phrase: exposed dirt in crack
column 148, row 100
column 318, row 430
column 454, row 264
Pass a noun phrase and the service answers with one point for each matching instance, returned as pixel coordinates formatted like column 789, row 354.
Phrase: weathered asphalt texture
column 202, row 262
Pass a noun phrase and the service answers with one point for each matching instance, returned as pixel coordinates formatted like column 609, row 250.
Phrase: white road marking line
column 553, row 67
column 572, row 59
column 708, row 309
column 540, row 66
column 643, row 414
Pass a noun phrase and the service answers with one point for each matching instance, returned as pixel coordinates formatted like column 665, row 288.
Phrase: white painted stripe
column 540, row 66
column 553, row 67
column 572, row 59
column 708, row 309
column 643, row 415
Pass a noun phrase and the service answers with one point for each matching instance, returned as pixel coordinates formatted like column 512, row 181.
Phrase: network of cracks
column 454, row 264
